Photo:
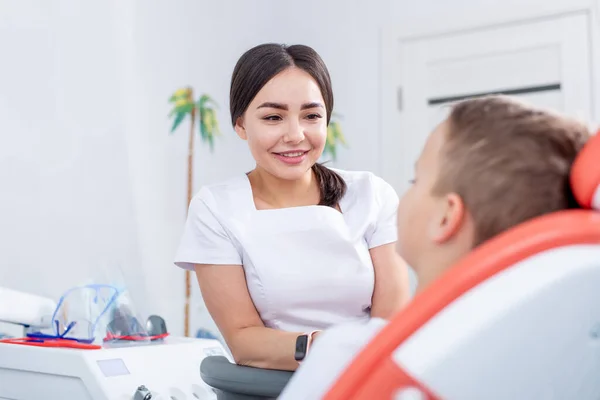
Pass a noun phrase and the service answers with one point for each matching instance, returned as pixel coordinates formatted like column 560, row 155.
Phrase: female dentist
column 292, row 247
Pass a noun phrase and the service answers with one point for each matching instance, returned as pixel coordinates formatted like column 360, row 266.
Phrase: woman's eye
column 313, row 116
column 272, row 118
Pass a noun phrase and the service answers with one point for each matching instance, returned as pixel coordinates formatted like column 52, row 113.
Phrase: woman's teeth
column 297, row 154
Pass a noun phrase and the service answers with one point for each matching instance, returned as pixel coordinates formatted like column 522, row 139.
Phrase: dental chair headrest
column 506, row 277
column 585, row 174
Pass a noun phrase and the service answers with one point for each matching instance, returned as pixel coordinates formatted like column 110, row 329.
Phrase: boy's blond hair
column 508, row 161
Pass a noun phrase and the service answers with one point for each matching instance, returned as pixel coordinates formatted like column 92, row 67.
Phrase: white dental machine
column 163, row 369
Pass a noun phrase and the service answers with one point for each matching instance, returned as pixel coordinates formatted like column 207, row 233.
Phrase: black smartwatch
column 303, row 343
column 301, row 347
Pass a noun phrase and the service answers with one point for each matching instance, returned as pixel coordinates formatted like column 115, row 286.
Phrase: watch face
column 301, row 345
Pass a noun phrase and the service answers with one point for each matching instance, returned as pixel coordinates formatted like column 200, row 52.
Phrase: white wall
column 66, row 211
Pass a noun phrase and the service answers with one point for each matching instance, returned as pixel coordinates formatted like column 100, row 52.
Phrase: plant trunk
column 190, row 190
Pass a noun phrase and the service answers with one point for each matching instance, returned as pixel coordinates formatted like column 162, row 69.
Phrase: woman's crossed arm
column 228, row 301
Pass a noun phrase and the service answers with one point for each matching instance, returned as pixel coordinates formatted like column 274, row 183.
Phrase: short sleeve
column 384, row 229
column 204, row 240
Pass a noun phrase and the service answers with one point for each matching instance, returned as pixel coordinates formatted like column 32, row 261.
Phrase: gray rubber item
column 236, row 382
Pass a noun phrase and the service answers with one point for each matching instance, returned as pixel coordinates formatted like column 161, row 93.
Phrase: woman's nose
column 295, row 133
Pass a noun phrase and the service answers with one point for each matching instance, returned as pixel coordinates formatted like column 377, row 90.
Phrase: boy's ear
column 239, row 128
column 449, row 218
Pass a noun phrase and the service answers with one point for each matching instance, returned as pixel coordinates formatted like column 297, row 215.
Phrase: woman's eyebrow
column 306, row 106
column 281, row 106
column 273, row 105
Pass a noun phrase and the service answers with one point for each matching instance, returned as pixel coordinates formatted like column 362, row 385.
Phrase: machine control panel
column 113, row 367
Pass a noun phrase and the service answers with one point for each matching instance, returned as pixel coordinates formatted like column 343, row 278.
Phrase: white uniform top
column 306, row 267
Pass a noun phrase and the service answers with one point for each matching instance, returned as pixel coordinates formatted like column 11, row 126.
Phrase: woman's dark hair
column 258, row 66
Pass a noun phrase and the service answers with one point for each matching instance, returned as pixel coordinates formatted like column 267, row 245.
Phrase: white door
column 547, row 62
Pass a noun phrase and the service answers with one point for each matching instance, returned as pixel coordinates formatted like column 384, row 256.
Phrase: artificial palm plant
column 203, row 112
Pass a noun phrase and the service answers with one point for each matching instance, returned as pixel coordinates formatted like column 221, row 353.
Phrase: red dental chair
column 519, row 318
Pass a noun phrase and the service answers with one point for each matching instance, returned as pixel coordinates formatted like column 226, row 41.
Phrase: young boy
column 492, row 164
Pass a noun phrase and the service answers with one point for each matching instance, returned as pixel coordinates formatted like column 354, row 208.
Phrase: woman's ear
column 449, row 218
column 239, row 128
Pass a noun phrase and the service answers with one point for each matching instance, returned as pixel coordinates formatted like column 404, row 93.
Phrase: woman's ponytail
column 331, row 185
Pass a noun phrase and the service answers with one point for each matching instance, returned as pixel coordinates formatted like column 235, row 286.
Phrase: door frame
column 497, row 16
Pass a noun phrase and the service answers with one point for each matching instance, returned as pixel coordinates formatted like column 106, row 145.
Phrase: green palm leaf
column 211, row 143
column 183, row 93
column 202, row 125
column 204, row 110
column 183, row 105
column 209, row 126
column 178, row 119
column 215, row 122
column 335, row 136
column 205, row 101
column 338, row 134
column 180, row 111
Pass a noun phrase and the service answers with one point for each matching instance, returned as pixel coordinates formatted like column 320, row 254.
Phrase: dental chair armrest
column 219, row 373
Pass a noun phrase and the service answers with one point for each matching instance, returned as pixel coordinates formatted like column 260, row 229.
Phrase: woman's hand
column 228, row 301
column 392, row 291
